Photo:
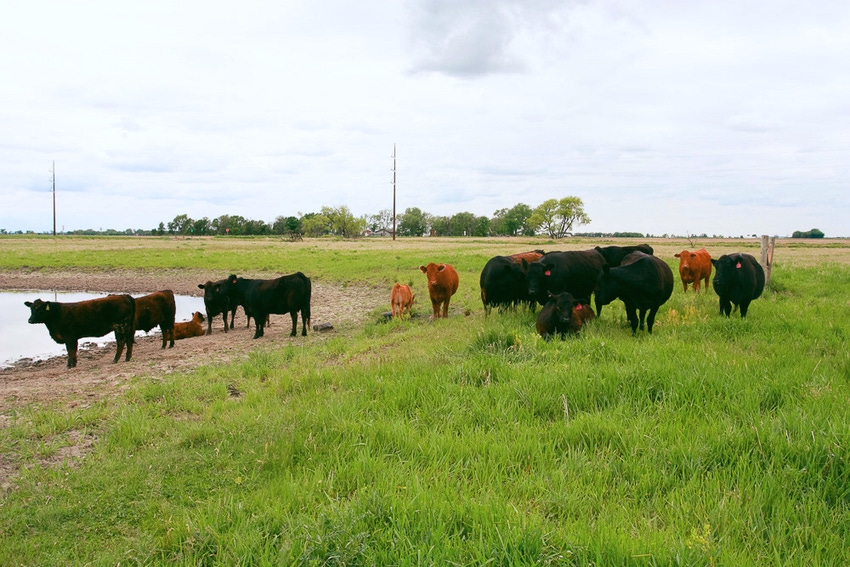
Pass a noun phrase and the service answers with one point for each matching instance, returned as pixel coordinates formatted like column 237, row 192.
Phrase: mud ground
column 96, row 377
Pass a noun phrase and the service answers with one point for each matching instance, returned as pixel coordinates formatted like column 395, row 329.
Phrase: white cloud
column 664, row 117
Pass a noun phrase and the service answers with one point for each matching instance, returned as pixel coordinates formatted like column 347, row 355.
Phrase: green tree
column 557, row 217
column 482, row 226
column 201, row 227
column 513, row 221
column 441, row 226
column 181, row 224
column 381, row 221
column 315, row 224
column 462, row 224
column 343, row 222
column 413, row 222
column 286, row 225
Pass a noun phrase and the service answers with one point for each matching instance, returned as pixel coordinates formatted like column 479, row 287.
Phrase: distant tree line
column 814, row 233
column 554, row 218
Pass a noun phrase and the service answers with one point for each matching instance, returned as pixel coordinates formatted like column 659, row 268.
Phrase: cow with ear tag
column 643, row 282
column 67, row 323
column 738, row 279
column 563, row 314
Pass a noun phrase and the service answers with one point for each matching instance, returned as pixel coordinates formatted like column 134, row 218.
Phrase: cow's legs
column 294, row 315
column 120, row 339
column 71, row 347
column 650, row 321
column 129, row 340
column 446, row 308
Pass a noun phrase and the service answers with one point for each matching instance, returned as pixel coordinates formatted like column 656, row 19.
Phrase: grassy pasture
column 465, row 441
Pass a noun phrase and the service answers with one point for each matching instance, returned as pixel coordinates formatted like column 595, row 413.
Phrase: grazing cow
column 614, row 254
column 69, row 322
column 575, row 272
column 503, row 282
column 217, row 301
column 286, row 294
column 562, row 314
column 644, row 283
column 157, row 309
column 442, row 285
column 401, row 298
column 738, row 279
column 694, row 267
column 188, row 329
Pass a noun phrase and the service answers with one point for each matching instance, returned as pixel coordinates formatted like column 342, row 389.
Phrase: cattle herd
column 561, row 282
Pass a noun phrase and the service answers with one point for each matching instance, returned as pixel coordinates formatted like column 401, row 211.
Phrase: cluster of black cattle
column 124, row 315
column 563, row 282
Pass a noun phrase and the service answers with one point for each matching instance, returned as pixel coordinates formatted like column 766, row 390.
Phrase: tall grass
column 467, row 441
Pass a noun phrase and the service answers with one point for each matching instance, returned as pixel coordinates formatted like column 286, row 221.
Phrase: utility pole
column 54, row 197
column 393, row 191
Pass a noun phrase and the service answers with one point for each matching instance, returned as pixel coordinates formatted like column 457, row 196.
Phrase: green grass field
column 466, row 441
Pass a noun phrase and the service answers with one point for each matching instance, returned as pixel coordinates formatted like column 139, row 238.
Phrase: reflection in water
column 19, row 339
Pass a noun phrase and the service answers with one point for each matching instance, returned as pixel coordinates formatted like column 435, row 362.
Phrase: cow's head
column 685, row 258
column 431, row 270
column 39, row 311
column 537, row 275
column 212, row 290
column 607, row 286
column 727, row 270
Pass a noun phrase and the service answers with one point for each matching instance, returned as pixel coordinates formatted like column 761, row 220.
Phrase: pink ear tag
column 547, row 273
column 738, row 265
column 578, row 307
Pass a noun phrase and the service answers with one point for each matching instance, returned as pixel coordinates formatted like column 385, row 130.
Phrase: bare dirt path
column 95, row 377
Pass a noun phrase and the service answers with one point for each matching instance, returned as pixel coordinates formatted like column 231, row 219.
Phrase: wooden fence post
column 768, row 243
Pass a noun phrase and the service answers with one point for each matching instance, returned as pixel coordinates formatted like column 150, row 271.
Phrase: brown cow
column 157, row 309
column 188, row 329
column 401, row 298
column 693, row 267
column 442, row 285
column 69, row 322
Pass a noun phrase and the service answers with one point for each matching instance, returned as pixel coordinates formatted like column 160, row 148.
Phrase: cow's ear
column 693, row 255
column 28, row 303
column 524, row 264
column 678, row 255
column 200, row 286
column 424, row 270
column 441, row 267
column 714, row 262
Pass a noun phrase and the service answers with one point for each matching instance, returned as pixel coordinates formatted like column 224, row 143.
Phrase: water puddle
column 19, row 339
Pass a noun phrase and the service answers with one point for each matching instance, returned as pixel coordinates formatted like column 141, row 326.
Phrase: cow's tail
column 305, row 306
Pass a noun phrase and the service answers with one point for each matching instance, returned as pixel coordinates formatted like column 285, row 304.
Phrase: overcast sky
column 721, row 117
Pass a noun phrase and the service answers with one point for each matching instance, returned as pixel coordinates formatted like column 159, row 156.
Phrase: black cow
column 157, row 309
column 286, row 294
column 738, row 279
column 644, row 283
column 614, row 254
column 561, row 315
column 554, row 272
column 69, row 322
column 216, row 301
column 503, row 282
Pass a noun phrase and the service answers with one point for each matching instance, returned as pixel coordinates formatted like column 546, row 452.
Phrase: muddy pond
column 19, row 339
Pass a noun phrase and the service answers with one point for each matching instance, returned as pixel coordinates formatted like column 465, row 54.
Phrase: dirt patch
column 95, row 377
